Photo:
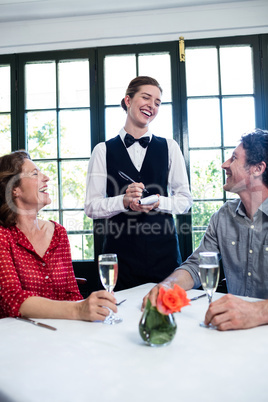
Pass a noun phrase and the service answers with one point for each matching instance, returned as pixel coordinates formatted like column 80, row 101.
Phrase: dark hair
column 256, row 146
column 10, row 168
column 134, row 87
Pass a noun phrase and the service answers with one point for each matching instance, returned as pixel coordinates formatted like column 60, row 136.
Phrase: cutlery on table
column 39, row 324
column 198, row 297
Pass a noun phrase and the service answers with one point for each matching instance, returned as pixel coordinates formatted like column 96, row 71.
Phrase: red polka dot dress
column 23, row 273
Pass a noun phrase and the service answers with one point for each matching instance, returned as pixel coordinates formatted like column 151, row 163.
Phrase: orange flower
column 171, row 300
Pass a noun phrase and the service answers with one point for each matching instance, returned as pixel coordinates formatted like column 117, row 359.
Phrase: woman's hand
column 133, row 192
column 95, row 307
column 132, row 197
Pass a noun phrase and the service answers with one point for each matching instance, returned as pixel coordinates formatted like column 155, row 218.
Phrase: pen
column 126, row 177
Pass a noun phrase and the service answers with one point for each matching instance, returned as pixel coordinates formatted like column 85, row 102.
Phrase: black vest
column 146, row 244
column 153, row 174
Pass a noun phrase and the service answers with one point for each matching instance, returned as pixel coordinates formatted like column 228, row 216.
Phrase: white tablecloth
column 84, row 361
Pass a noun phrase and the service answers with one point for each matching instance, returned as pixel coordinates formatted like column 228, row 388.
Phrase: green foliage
column 5, row 134
column 207, row 184
column 87, row 249
column 41, row 145
column 41, row 139
column 202, row 212
column 206, row 179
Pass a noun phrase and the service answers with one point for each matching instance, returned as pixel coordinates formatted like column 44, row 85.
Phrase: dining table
column 94, row 362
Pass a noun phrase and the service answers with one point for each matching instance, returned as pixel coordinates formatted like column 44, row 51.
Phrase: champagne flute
column 209, row 272
column 108, row 271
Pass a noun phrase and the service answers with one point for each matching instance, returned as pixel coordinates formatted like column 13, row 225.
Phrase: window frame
column 11, row 60
column 86, row 269
column 178, row 92
column 96, row 57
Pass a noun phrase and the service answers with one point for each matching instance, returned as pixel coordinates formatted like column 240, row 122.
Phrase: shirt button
column 46, row 277
column 266, row 249
column 249, row 273
column 252, row 226
column 43, row 264
column 233, row 243
column 250, row 251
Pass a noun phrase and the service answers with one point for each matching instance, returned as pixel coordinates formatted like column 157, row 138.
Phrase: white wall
column 115, row 28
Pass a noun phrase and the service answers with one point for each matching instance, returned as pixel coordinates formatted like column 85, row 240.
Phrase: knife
column 198, row 297
column 39, row 324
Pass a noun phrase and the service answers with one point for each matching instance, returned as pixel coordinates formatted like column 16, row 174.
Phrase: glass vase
column 156, row 329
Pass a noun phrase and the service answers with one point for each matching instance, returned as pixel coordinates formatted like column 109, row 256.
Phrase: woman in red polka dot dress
column 36, row 272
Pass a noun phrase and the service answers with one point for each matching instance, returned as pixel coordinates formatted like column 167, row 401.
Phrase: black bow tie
column 129, row 140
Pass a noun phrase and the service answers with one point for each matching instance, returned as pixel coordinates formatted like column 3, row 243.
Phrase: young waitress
column 142, row 235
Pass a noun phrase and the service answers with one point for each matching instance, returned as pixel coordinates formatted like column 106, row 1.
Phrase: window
column 221, row 107
column 5, row 108
column 58, row 138
column 119, row 70
column 60, row 104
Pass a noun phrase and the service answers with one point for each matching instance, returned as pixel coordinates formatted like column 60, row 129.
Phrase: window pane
column 75, row 133
column 4, row 88
column 238, row 118
column 82, row 246
column 196, row 237
column 40, row 85
column 115, row 118
column 202, row 72
column 157, row 66
column 74, row 83
column 51, row 170
column 202, row 212
column 76, row 246
column 5, row 134
column 49, row 215
column 73, row 177
column 76, row 221
column 228, row 153
column 204, row 125
column 206, row 174
column 236, row 70
column 88, row 247
column 41, row 134
column 119, row 71
column 162, row 125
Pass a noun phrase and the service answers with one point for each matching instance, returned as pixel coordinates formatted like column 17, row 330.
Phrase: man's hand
column 152, row 296
column 230, row 312
column 180, row 277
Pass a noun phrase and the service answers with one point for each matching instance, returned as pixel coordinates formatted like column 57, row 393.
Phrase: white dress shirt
column 98, row 205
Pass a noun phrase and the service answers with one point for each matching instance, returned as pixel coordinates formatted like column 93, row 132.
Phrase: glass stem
column 209, row 299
